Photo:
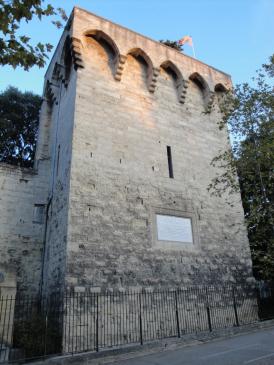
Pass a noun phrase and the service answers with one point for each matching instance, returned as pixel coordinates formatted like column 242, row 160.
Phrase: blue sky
column 235, row 36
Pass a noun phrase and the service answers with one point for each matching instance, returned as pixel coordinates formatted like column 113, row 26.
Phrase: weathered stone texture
column 113, row 101
column 21, row 238
column 58, row 144
column 119, row 176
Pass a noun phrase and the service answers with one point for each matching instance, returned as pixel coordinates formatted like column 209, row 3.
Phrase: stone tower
column 128, row 129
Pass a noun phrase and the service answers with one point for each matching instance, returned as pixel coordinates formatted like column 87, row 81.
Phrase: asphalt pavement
column 255, row 348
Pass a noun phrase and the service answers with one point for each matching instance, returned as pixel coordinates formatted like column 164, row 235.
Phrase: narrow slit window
column 169, row 160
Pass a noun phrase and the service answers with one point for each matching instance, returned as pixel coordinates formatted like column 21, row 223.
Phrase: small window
column 174, row 229
column 169, row 160
column 39, row 213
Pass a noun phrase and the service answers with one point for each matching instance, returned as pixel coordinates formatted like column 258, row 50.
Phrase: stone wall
column 120, row 177
column 21, row 236
column 56, row 128
column 113, row 101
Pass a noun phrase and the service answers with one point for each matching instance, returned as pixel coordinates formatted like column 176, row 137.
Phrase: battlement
column 82, row 17
column 123, row 43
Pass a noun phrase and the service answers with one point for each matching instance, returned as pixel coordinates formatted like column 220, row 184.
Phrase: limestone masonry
column 118, row 198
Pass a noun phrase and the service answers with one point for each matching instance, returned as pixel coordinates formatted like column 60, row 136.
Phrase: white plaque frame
column 174, row 245
column 174, row 229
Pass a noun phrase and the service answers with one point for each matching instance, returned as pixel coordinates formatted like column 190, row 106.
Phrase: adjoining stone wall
column 37, row 250
column 20, row 236
column 120, row 177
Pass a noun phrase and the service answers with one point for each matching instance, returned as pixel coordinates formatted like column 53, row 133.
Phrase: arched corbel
column 209, row 101
column 76, row 52
column 58, row 72
column 119, row 66
column 182, row 90
column 152, row 78
column 51, row 92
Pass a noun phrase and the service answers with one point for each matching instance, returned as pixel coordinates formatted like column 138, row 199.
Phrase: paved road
column 254, row 349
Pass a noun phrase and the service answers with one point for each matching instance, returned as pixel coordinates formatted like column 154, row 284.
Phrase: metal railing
column 80, row 322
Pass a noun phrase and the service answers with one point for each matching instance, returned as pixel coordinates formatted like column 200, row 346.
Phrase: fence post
column 235, row 308
column 97, row 322
column 208, row 311
column 46, row 321
column 209, row 318
column 177, row 315
column 140, row 319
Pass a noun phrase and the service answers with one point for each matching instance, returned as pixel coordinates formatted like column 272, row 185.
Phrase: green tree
column 16, row 49
column 249, row 115
column 172, row 44
column 19, row 120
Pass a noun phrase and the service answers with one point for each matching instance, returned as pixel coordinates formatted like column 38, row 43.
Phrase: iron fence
column 80, row 322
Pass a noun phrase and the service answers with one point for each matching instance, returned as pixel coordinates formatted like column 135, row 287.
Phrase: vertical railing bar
column 117, row 298
column 177, row 315
column 127, row 317
column 12, row 326
column 156, row 314
column 140, row 319
column 46, row 324
column 4, row 323
column 115, row 318
column 108, row 319
column 144, row 316
column 154, row 317
column 235, row 308
column 86, row 320
column 136, row 303
column 208, row 312
column 112, row 318
column 65, row 317
column 167, row 313
column 124, row 318
column 73, row 320
column 150, row 315
column 77, row 318
column 170, row 313
column 147, row 310
column 97, row 323
column 100, row 321
column 94, row 320
column 161, row 312
column 101, row 325
column 119, row 318
column 8, row 330
column 70, row 323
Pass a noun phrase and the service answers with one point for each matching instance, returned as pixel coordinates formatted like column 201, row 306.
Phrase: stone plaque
column 176, row 229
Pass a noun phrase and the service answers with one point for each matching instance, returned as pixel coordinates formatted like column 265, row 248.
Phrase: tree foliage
column 19, row 120
column 249, row 115
column 172, row 44
column 16, row 49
